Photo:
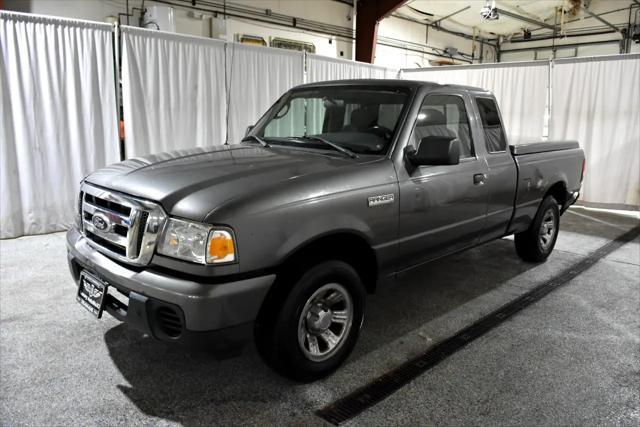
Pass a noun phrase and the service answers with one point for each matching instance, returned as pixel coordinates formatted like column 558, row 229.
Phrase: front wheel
column 317, row 325
column 536, row 243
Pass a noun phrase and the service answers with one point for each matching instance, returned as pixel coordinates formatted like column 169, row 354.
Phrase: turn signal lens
column 221, row 247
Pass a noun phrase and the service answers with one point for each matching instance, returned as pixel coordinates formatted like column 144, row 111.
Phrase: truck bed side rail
column 541, row 147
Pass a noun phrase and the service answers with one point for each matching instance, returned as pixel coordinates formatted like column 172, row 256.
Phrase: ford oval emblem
column 100, row 222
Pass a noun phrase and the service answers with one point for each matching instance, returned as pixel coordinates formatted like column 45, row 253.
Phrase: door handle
column 479, row 178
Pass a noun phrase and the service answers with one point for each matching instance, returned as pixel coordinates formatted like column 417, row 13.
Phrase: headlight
column 196, row 242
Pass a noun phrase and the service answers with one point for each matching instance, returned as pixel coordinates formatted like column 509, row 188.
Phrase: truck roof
column 388, row 82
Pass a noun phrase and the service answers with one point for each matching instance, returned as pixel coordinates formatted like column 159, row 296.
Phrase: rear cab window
column 494, row 137
column 444, row 115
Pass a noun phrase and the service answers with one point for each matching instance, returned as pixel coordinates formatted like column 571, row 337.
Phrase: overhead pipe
column 525, row 19
column 604, row 21
column 559, row 46
column 568, row 36
column 273, row 19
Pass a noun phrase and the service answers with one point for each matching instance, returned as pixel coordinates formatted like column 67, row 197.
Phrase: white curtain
column 521, row 89
column 596, row 101
column 257, row 77
column 58, row 117
column 378, row 72
column 322, row 68
column 173, row 91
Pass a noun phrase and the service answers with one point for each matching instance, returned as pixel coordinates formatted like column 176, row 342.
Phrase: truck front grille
column 120, row 226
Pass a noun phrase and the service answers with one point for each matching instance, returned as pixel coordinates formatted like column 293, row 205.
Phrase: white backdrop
column 173, row 91
column 521, row 89
column 58, row 117
column 322, row 68
column 257, row 77
column 597, row 102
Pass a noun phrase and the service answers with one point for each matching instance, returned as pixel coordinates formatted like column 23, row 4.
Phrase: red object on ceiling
column 368, row 14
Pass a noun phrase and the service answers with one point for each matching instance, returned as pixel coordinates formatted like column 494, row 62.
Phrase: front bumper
column 198, row 308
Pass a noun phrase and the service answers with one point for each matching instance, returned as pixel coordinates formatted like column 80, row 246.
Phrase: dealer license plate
column 91, row 293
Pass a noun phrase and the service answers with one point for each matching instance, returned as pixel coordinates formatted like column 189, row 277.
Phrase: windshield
column 360, row 120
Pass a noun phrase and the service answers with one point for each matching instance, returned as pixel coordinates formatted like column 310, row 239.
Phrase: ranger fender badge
column 383, row 199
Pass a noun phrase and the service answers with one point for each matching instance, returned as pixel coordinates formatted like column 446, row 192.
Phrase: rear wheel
column 536, row 243
column 317, row 325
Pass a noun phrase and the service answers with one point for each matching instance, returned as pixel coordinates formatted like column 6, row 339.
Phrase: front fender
column 320, row 227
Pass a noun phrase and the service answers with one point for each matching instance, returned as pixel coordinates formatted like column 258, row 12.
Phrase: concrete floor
column 571, row 358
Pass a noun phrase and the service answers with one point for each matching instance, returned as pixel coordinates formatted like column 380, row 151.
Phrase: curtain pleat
column 173, row 91
column 322, row 68
column 596, row 102
column 257, row 77
column 58, row 117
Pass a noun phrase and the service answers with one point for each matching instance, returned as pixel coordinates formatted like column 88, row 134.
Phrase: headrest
column 492, row 118
column 431, row 117
column 490, row 115
column 332, row 103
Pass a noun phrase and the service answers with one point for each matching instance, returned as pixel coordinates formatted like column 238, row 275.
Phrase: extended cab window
column 493, row 133
column 444, row 115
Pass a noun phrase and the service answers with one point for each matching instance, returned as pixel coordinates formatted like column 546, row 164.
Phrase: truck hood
column 190, row 183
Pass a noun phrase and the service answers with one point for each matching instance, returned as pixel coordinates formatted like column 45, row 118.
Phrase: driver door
column 442, row 208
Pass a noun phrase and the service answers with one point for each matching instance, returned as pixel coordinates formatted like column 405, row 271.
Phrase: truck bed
column 540, row 165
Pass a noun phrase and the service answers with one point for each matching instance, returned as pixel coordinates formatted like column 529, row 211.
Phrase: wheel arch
column 348, row 246
column 559, row 192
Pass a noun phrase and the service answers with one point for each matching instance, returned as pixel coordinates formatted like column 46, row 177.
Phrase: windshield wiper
column 257, row 138
column 332, row 145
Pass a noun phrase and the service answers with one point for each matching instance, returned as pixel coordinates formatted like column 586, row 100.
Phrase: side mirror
column 435, row 150
column 249, row 129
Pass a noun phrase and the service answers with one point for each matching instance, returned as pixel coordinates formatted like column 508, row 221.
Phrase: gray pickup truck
column 337, row 188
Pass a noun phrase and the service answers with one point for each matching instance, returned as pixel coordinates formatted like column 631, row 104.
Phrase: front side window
column 444, row 115
column 363, row 120
column 493, row 132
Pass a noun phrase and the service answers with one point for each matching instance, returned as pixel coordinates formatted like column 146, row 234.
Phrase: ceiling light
column 489, row 11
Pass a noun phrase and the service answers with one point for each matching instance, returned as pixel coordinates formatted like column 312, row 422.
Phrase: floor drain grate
column 365, row 397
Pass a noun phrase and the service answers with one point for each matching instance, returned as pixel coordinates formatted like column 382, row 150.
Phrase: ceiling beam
column 369, row 13
column 604, row 21
column 437, row 21
column 524, row 18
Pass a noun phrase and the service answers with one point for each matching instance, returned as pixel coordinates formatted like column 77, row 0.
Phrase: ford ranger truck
column 339, row 187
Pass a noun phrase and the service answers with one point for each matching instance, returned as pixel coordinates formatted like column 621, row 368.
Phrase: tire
column 536, row 243
column 292, row 336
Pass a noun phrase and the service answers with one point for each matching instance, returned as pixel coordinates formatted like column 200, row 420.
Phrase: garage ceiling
column 538, row 10
column 465, row 20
